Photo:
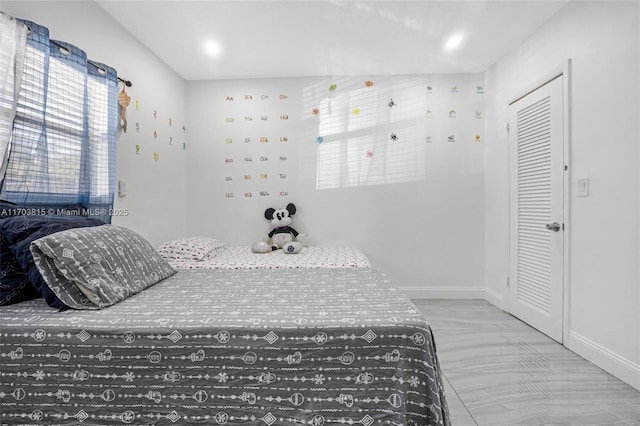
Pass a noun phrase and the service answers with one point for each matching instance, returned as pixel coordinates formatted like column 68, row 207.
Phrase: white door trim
column 564, row 70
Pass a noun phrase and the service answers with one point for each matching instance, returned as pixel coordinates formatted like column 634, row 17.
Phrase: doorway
column 537, row 207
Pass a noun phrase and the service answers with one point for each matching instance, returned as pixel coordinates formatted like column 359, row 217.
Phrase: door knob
column 555, row 226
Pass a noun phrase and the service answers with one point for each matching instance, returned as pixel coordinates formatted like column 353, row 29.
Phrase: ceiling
column 222, row 39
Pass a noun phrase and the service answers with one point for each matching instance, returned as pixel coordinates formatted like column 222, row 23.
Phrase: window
column 366, row 137
column 62, row 146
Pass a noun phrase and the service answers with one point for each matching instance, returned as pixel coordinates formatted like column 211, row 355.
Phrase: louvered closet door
column 537, row 192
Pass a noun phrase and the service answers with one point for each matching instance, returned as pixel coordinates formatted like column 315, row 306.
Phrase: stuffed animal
column 282, row 236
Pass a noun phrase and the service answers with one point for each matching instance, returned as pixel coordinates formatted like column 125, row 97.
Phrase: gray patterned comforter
column 243, row 347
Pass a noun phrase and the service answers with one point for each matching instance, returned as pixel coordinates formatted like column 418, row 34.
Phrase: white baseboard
column 444, row 292
column 495, row 298
column 618, row 366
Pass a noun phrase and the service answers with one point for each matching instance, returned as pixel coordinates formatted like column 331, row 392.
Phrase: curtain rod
column 123, row 80
column 126, row 82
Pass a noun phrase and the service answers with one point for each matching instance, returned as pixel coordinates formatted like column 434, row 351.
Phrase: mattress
column 241, row 257
column 248, row 346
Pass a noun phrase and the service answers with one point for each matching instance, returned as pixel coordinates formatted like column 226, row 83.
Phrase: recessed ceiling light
column 454, row 41
column 212, row 48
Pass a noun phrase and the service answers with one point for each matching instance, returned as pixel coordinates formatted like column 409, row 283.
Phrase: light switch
column 583, row 187
column 122, row 189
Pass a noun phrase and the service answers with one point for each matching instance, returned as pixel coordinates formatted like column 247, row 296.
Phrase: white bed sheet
column 241, row 257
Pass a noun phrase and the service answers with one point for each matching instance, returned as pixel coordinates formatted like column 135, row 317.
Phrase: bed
column 304, row 346
column 211, row 253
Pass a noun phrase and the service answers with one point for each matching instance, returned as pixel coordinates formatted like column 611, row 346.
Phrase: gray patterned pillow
column 190, row 248
column 92, row 268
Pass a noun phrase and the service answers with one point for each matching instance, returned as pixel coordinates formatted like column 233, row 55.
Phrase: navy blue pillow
column 14, row 285
column 20, row 231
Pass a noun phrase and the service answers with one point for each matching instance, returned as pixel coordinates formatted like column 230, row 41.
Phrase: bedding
column 311, row 346
column 241, row 257
column 19, row 276
column 190, row 248
column 92, row 268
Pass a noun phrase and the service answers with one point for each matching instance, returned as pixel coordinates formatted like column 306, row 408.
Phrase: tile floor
column 500, row 371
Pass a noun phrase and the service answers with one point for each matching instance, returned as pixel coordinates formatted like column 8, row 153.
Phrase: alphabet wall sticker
column 249, row 156
column 382, row 119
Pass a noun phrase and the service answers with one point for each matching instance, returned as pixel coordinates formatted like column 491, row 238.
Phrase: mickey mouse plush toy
column 282, row 236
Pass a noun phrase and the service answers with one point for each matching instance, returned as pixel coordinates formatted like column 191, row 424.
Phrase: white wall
column 156, row 201
column 419, row 231
column 603, row 41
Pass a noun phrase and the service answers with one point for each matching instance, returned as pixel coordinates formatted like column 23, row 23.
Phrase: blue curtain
column 62, row 148
column 13, row 39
